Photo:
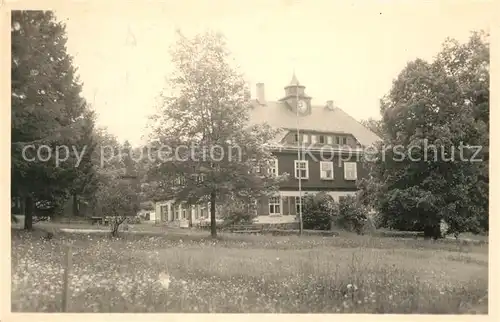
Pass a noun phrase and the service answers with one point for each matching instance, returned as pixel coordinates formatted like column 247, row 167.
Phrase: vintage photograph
column 274, row 156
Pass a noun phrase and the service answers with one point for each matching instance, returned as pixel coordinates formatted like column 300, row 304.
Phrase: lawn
column 188, row 273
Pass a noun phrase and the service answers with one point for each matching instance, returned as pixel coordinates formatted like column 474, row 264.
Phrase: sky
column 348, row 52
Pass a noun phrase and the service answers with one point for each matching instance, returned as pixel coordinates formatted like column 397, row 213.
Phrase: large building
column 331, row 142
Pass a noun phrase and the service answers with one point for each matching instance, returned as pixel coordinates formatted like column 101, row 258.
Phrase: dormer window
column 344, row 140
column 313, row 139
column 337, row 140
column 329, row 139
column 322, row 139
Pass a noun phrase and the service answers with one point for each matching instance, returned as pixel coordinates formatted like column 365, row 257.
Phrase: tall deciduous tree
column 118, row 190
column 47, row 110
column 376, row 126
column 426, row 174
column 86, row 178
column 203, row 127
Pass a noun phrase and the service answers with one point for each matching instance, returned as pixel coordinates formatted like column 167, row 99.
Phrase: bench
column 248, row 228
column 99, row 220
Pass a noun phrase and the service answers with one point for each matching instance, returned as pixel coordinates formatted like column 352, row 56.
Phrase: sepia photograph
column 277, row 156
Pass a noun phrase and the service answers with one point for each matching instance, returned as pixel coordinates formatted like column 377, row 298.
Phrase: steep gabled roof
column 321, row 119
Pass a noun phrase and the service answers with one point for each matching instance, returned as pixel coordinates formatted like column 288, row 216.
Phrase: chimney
column 247, row 95
column 329, row 105
column 261, row 98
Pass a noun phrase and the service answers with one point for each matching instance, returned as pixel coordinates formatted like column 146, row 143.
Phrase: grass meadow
column 252, row 274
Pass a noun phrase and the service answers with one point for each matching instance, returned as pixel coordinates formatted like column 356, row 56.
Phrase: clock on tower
column 302, row 106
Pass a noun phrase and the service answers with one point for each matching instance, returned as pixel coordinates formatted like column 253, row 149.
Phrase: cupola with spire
column 295, row 96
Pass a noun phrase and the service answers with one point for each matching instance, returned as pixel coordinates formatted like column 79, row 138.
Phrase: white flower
column 164, row 279
column 349, row 286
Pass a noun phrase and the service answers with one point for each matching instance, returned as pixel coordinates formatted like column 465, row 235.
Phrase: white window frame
column 351, row 171
column 306, row 168
column 184, row 211
column 180, row 180
column 273, row 167
column 297, row 205
column 256, row 168
column 305, row 138
column 177, row 212
column 273, row 205
column 329, row 139
column 322, row 172
column 314, row 139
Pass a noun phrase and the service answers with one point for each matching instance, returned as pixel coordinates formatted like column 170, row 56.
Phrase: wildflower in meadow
column 164, row 279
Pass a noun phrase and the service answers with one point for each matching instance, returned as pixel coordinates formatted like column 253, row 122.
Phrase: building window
column 337, row 139
column 203, row 212
column 297, row 205
column 164, row 213
column 326, row 170
column 301, row 169
column 329, row 139
column 180, row 181
column 273, row 167
column 305, row 138
column 296, row 137
column 183, row 212
column 176, row 212
column 344, row 140
column 350, row 171
column 313, row 139
column 322, row 139
column 275, row 206
column 255, row 206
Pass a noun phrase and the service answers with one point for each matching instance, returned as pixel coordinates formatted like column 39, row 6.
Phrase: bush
column 352, row 216
column 134, row 220
column 318, row 212
column 237, row 212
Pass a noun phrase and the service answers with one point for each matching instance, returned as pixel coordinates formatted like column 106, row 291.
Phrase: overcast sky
column 348, row 53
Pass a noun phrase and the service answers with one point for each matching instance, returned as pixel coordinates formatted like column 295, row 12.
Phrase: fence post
column 66, row 282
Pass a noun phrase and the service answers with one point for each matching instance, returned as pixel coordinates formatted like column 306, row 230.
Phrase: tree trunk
column 75, row 205
column 22, row 205
column 213, row 223
column 28, row 213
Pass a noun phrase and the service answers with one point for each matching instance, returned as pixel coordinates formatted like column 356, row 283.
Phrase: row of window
column 275, row 205
column 301, row 169
column 326, row 170
column 181, row 180
column 322, row 139
column 183, row 211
